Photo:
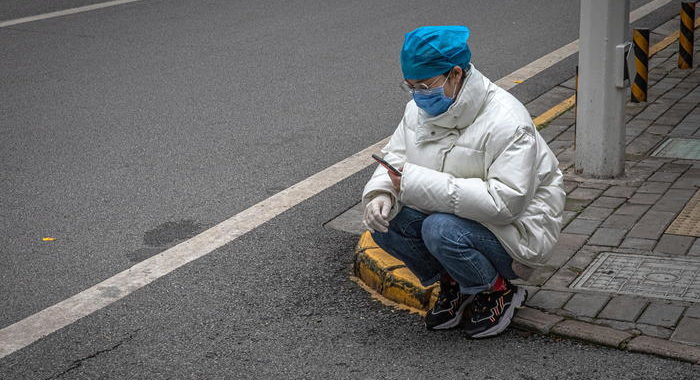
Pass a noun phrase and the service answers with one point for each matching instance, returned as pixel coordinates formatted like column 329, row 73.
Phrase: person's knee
column 439, row 230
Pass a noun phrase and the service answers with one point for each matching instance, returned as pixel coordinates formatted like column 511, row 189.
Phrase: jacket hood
column 462, row 112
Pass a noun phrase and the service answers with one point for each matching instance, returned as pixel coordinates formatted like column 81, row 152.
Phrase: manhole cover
column 688, row 221
column 688, row 149
column 648, row 276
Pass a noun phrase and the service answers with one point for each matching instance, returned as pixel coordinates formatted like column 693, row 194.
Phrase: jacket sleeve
column 395, row 154
column 498, row 199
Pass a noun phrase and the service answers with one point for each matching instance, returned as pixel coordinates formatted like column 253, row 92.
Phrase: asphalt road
column 128, row 129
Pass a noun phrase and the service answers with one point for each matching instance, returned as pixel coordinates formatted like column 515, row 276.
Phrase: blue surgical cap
column 434, row 50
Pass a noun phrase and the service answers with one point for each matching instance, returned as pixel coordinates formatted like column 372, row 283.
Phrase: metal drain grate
column 688, row 221
column 675, row 147
column 648, row 276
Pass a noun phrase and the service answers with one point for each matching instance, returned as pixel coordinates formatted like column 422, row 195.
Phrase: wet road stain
column 160, row 238
column 143, row 253
column 169, row 232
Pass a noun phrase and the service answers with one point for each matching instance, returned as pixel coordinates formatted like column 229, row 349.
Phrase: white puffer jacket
column 484, row 160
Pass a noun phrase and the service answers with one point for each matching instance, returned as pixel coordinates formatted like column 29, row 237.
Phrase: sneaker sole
column 454, row 322
column 518, row 299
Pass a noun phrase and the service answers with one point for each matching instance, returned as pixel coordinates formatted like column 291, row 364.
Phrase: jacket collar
column 461, row 113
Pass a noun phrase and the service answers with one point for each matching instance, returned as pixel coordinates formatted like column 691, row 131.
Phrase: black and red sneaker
column 449, row 308
column 492, row 311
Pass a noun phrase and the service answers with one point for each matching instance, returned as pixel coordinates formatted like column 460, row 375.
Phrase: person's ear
column 457, row 73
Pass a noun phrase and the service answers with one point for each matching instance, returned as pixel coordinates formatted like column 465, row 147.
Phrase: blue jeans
column 431, row 245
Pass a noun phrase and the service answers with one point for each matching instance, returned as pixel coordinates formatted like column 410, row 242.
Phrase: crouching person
column 479, row 198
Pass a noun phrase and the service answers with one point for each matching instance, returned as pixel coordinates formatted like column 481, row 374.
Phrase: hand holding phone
column 387, row 165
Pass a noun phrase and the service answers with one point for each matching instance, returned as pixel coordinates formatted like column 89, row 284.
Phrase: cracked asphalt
column 128, row 129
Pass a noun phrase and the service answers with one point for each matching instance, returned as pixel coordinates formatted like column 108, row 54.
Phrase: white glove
column 377, row 213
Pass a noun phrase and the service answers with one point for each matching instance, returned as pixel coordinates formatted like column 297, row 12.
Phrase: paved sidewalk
column 626, row 271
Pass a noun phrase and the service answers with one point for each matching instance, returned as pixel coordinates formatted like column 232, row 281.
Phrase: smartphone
column 386, row 165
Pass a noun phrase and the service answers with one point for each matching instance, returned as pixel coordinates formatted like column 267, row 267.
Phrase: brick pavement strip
column 595, row 213
column 585, row 193
column 620, row 221
column 695, row 249
column 620, row 191
column 582, row 226
column 623, row 308
column 533, row 319
column 673, row 200
column 652, row 224
column 661, row 314
column 688, row 331
column 663, row 347
column 653, row 187
column 565, row 248
column 608, row 236
column 645, row 198
column 674, row 244
column 693, row 312
column 586, row 305
column 608, row 202
column 593, row 333
column 664, row 176
column 638, row 243
column 549, row 299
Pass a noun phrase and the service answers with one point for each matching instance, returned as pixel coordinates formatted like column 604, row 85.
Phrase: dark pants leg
column 433, row 244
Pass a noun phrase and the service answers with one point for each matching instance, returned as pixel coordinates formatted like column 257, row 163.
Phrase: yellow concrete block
column 372, row 266
column 402, row 286
column 365, row 242
column 368, row 274
column 382, row 259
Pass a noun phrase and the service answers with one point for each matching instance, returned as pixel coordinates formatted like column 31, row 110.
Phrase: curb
column 393, row 284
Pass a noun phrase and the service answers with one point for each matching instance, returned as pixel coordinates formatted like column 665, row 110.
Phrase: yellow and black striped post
column 686, row 36
column 641, row 63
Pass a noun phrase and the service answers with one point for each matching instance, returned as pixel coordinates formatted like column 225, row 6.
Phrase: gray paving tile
column 661, row 314
column 620, row 191
column 611, row 237
column 562, row 278
column 674, row 244
column 576, row 205
column 549, row 299
column 671, row 167
column 652, row 330
column 623, row 308
column 567, row 245
column 595, row 213
column 645, row 198
column 652, row 224
column 586, row 305
column 620, row 221
column 673, row 200
column 586, row 194
column 582, row 226
column 608, row 202
column 653, row 187
column 693, row 311
column 643, row 143
column 695, row 248
column 688, row 331
column 638, row 243
column 568, row 217
column 664, row 176
column 689, row 180
column 632, row 209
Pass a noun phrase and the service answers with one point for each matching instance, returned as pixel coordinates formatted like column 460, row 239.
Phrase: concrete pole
column 600, row 117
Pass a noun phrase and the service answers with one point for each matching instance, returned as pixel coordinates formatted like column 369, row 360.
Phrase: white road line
column 64, row 12
column 64, row 313
column 537, row 66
